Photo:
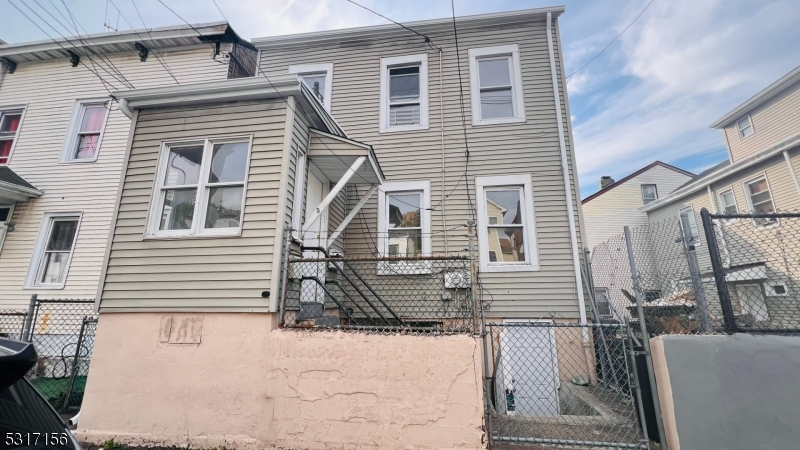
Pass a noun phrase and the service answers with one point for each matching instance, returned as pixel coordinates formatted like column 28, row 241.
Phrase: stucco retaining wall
column 734, row 392
column 236, row 380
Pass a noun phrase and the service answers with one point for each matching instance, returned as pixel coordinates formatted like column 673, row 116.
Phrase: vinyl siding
column 606, row 215
column 221, row 274
column 50, row 89
column 773, row 122
column 530, row 148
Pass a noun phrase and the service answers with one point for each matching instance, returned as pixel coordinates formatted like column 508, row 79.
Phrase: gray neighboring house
column 617, row 203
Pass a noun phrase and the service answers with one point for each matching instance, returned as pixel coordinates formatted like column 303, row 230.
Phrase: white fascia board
column 722, row 173
column 759, row 99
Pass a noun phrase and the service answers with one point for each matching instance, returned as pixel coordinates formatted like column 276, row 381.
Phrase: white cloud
column 684, row 64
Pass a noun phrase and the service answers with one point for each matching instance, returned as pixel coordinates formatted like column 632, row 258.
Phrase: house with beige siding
column 617, row 203
column 762, row 136
column 347, row 149
column 64, row 140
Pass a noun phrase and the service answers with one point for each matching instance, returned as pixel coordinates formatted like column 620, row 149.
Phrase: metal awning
column 14, row 188
column 336, row 156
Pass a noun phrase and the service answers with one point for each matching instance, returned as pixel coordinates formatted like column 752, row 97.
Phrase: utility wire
column 427, row 39
column 465, row 177
column 106, row 84
column 614, row 40
column 220, row 10
column 157, row 52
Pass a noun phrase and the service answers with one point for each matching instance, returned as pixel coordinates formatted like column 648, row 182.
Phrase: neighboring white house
column 617, row 204
column 63, row 141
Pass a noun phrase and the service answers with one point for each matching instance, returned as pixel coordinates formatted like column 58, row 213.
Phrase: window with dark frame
column 9, row 125
column 404, row 96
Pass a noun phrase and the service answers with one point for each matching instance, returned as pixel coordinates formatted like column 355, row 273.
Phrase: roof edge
column 635, row 174
column 471, row 20
column 759, row 99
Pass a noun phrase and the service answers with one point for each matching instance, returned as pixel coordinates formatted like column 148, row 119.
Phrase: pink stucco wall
column 247, row 384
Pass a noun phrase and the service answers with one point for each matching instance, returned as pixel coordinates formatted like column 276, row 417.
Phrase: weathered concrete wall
column 732, row 392
column 247, row 384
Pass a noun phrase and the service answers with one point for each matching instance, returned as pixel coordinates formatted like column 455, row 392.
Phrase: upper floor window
column 85, row 131
column 496, row 85
column 53, row 251
column 9, row 128
column 745, row 127
column 404, row 93
column 727, row 202
column 509, row 242
column 759, row 198
column 318, row 78
column 649, row 193
column 688, row 223
column 200, row 188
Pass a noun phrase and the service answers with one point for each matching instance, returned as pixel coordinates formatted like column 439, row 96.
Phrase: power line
column 220, row 10
column 157, row 52
column 614, row 40
column 427, row 39
column 106, row 84
column 463, row 116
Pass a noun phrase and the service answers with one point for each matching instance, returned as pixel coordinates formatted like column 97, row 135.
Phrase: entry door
column 316, row 190
column 530, row 369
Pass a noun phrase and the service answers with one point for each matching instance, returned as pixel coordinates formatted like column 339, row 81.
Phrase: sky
column 650, row 96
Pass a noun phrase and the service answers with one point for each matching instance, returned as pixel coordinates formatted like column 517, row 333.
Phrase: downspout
column 123, row 106
column 441, row 126
column 711, row 199
column 573, row 236
column 791, row 170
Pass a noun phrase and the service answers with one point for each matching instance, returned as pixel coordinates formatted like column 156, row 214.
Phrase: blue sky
column 650, row 96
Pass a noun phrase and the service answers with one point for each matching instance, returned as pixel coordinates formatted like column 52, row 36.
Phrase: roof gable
column 634, row 175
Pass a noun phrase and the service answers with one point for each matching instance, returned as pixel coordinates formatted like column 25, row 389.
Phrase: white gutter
column 573, row 236
column 123, row 106
column 722, row 173
column 791, row 170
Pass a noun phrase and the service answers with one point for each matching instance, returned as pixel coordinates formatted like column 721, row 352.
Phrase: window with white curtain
column 404, row 93
column 53, row 250
column 200, row 188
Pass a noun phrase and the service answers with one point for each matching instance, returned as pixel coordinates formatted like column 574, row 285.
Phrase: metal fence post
column 719, row 272
column 26, row 329
column 645, row 336
column 74, row 373
column 473, row 269
column 697, row 279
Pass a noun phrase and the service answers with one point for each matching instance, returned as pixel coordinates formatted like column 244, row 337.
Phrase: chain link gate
column 567, row 384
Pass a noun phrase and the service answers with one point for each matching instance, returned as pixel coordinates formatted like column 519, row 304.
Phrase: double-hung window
column 496, row 85
column 649, row 193
column 9, row 127
column 53, row 251
column 507, row 243
column 759, row 198
column 688, row 223
column 200, row 188
column 404, row 93
column 745, row 127
column 5, row 217
column 404, row 224
column 318, row 78
column 727, row 202
column 85, row 131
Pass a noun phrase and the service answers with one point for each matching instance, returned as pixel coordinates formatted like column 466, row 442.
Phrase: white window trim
column 308, row 69
column 697, row 241
column 722, row 205
column 746, row 189
column 41, row 241
column 516, row 84
column 386, row 64
column 11, row 109
column 298, row 205
column 71, row 140
column 154, row 215
column 529, row 223
column 387, row 188
column 770, row 290
column 655, row 187
column 739, row 131
column 4, row 224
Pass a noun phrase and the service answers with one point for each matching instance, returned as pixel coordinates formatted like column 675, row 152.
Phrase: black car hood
column 16, row 359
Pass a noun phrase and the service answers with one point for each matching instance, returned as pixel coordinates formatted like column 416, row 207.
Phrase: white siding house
column 65, row 141
column 607, row 211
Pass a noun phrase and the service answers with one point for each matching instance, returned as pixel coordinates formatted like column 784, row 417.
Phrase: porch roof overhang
column 14, row 188
column 278, row 87
column 335, row 156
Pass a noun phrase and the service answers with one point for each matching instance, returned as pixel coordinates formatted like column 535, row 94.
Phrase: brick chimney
column 606, row 181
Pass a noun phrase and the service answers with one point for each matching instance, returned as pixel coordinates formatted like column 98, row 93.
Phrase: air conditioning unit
column 457, row 279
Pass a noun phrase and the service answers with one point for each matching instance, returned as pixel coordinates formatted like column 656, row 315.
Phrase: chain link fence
column 63, row 333
column 563, row 384
column 431, row 294
column 12, row 324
